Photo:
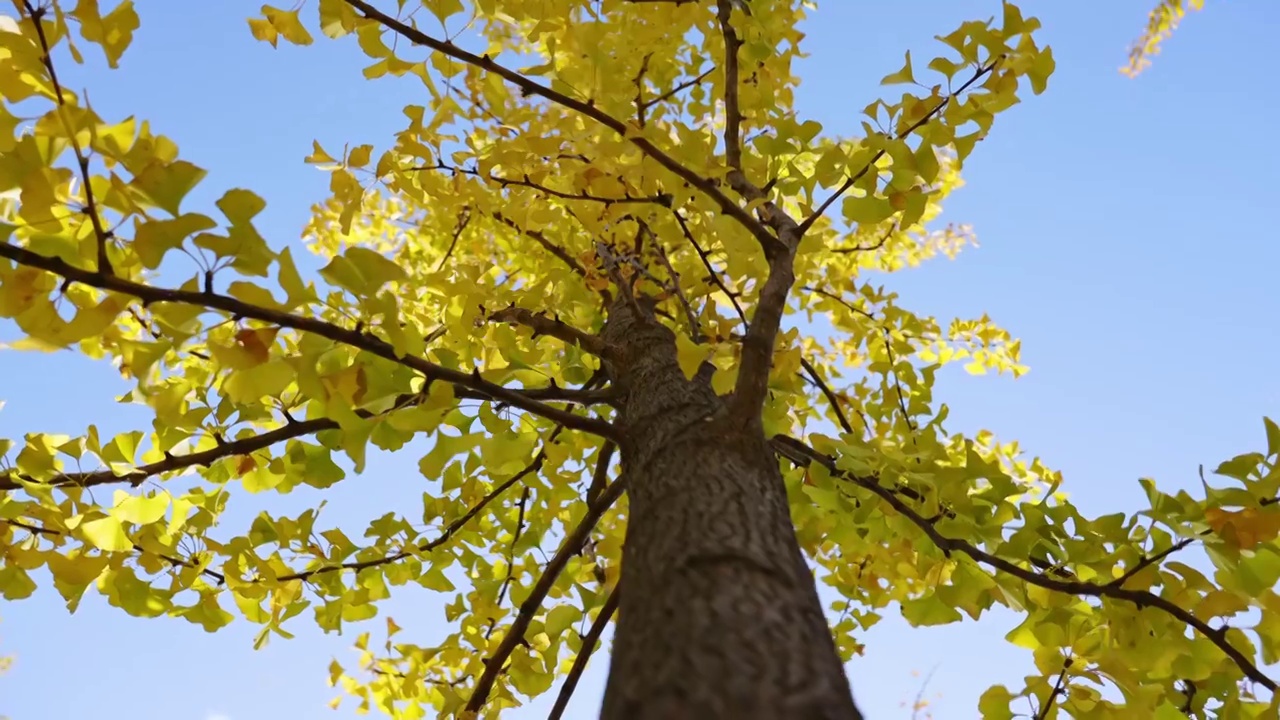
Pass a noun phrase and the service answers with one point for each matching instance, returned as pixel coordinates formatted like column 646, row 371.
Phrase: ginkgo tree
column 587, row 273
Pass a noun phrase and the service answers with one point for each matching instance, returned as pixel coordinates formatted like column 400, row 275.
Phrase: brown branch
column 101, row 234
column 1149, row 560
column 1059, row 690
column 849, row 182
column 539, row 237
column 588, row 109
column 695, row 328
column 676, row 90
column 511, row 557
column 662, row 199
column 464, row 219
column 354, row 338
column 551, row 327
column 752, row 385
column 801, row 455
column 515, row 634
column 451, row 530
column 847, row 305
column 897, row 381
column 600, row 476
column 589, row 642
column 639, row 83
column 732, row 109
column 173, row 561
column 1141, row 598
column 712, row 274
column 868, row 248
column 832, row 399
column 247, row 446
column 172, row 463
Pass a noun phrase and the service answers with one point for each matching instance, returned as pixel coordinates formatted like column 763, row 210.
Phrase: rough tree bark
column 721, row 617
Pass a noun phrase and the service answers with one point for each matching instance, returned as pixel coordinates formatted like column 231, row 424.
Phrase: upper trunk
column 720, row 616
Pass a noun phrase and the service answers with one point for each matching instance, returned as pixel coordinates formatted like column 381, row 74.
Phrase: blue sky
column 1123, row 238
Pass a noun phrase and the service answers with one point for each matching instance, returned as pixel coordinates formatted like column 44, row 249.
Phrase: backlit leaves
column 600, row 167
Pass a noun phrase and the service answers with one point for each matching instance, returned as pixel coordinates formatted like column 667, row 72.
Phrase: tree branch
column 552, row 327
column 849, row 182
column 515, row 634
column 172, row 463
column 589, row 642
column 354, row 338
column 752, row 386
column 451, row 530
column 662, row 199
column 1059, row 690
column 174, row 561
column 732, row 108
column 101, row 235
column 1141, row 598
column 832, row 400
column 712, row 274
column 588, row 109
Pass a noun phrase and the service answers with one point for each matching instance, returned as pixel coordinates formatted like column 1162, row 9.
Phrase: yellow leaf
column 106, row 534
column 263, row 30
column 140, row 510
column 902, row 76
column 112, row 32
column 690, row 355
column 287, row 23
column 1245, row 528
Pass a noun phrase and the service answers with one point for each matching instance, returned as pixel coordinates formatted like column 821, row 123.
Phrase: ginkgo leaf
column 139, row 509
column 690, row 355
column 106, row 534
column 901, row 76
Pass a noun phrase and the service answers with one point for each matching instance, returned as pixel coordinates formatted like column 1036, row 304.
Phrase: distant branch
column 832, row 399
column 539, row 237
column 495, row 663
column 643, row 105
column 354, row 338
column 589, row 642
column 174, row 561
column 102, row 236
column 451, row 530
column 713, row 275
column 662, row 199
column 585, row 108
column 855, row 177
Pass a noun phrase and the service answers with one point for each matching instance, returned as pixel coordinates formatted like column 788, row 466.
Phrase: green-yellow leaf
column 106, row 534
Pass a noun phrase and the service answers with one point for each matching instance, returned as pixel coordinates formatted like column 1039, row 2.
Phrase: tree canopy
column 568, row 158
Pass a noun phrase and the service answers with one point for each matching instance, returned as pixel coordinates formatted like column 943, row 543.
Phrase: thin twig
column 712, row 274
column 589, row 642
column 849, row 182
column 495, row 663
column 1058, row 690
column 832, row 399
column 101, row 235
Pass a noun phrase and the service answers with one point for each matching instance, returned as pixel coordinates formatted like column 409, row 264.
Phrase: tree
column 587, row 285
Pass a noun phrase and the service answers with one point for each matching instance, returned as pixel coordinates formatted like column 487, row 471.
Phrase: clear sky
column 1124, row 239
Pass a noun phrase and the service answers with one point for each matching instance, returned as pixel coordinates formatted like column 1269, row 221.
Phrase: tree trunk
column 720, row 617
